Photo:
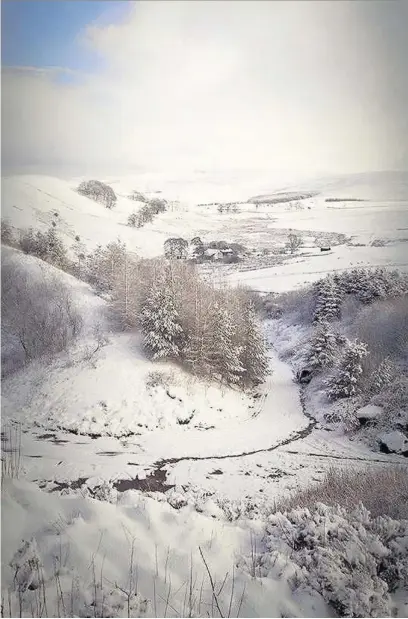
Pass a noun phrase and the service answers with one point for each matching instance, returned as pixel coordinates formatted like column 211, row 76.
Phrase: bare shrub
column 98, row 191
column 38, row 311
column 156, row 378
column 383, row 491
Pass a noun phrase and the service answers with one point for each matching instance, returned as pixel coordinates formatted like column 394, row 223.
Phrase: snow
column 77, row 538
column 369, row 412
column 92, row 420
column 394, row 441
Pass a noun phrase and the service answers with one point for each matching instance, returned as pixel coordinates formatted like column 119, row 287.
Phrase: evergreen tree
column 224, row 354
column 162, row 331
column 323, row 346
column 345, row 382
column 383, row 376
column 253, row 355
column 328, row 300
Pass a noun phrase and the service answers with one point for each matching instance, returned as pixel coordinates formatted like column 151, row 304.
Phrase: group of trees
column 366, row 285
column 48, row 246
column 212, row 332
column 98, row 191
column 356, row 365
column 146, row 214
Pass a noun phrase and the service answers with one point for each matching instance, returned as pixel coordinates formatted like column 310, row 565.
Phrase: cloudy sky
column 311, row 87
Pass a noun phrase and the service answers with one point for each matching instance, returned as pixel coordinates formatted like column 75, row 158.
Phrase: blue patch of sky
column 46, row 33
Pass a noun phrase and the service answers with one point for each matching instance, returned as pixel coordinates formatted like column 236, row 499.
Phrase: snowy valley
column 204, row 397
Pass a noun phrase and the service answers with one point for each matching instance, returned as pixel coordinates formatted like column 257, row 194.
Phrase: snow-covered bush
column 98, row 191
column 350, row 558
column 345, row 381
column 38, row 311
column 382, row 489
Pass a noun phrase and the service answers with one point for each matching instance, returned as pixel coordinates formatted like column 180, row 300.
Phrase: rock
column 394, row 442
column 369, row 414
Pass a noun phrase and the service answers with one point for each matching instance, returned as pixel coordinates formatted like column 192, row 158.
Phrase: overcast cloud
column 312, row 87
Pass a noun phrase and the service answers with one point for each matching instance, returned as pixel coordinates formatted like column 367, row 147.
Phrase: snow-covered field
column 96, row 432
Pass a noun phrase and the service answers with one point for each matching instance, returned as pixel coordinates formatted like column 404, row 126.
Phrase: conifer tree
column 323, row 346
column 253, row 355
column 224, row 353
column 328, row 300
column 383, row 376
column 345, row 381
column 163, row 335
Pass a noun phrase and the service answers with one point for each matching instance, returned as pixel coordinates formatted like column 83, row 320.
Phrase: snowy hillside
column 376, row 227
column 138, row 487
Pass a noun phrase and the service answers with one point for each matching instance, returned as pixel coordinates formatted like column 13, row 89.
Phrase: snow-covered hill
column 101, row 423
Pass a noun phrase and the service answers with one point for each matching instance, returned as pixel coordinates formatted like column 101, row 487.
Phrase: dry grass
column 383, row 491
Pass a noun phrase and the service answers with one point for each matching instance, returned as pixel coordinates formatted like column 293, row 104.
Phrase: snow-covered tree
column 163, row 335
column 54, row 248
column 224, row 355
column 324, row 346
column 98, row 191
column 132, row 220
column 293, row 243
column 158, row 205
column 327, row 300
column 104, row 263
column 253, row 355
column 383, row 376
column 175, row 247
column 137, row 196
column 197, row 249
column 344, row 382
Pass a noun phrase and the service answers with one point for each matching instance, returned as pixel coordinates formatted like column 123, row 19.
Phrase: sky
column 308, row 87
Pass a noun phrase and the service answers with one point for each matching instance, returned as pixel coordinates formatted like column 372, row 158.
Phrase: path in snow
column 254, row 449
